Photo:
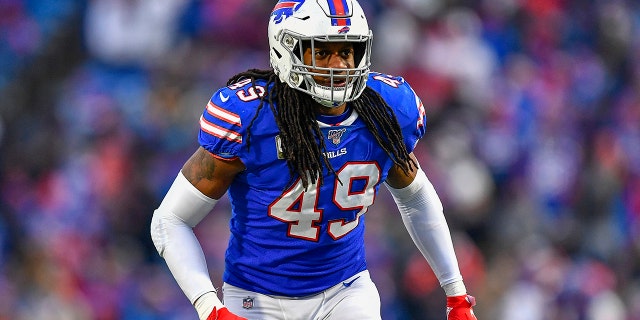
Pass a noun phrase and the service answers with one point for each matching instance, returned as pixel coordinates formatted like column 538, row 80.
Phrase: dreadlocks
column 302, row 143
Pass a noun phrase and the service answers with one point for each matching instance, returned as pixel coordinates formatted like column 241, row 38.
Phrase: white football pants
column 356, row 298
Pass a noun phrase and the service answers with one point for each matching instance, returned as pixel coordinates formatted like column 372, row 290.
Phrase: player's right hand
column 223, row 314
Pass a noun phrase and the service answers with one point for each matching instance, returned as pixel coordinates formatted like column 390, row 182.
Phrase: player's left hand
column 461, row 308
column 223, row 314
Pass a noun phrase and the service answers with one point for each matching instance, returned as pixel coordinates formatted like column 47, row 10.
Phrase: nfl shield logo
column 247, row 303
column 336, row 135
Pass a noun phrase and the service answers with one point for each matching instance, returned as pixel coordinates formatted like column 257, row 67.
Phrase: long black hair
column 302, row 144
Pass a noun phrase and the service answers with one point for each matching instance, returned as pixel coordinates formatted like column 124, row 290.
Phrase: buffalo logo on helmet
column 285, row 9
column 344, row 30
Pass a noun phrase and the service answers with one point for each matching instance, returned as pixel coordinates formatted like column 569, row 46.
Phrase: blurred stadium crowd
column 533, row 143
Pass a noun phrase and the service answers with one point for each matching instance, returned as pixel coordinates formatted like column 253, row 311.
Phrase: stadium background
column 533, row 143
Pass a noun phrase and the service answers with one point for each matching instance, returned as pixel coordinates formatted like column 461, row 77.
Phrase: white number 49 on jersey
column 299, row 208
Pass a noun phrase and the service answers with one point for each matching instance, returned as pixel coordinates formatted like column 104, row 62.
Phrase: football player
column 302, row 150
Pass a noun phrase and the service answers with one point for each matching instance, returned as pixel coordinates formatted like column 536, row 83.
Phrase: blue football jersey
column 286, row 240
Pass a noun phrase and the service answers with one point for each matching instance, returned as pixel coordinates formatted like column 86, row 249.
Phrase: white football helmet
column 297, row 22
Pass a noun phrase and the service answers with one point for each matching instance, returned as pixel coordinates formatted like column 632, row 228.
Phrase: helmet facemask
column 340, row 85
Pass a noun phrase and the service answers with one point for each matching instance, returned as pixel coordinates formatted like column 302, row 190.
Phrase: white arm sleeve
column 423, row 216
column 182, row 208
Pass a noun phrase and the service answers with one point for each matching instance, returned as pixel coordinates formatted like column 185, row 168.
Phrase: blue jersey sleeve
column 224, row 121
column 405, row 103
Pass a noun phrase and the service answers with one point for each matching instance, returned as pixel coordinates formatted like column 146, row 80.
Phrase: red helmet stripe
column 339, row 8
